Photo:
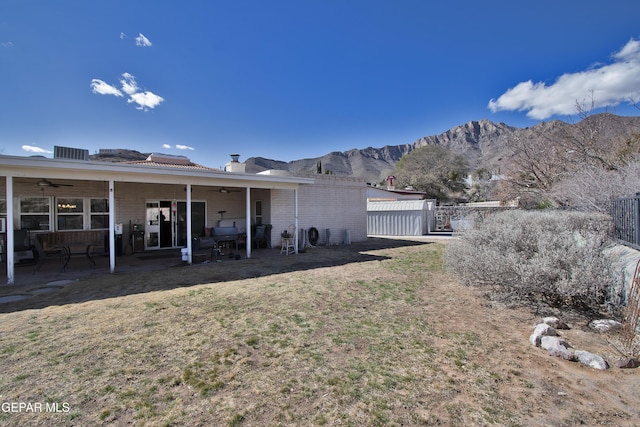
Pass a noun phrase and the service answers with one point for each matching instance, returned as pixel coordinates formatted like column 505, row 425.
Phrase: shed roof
column 396, row 205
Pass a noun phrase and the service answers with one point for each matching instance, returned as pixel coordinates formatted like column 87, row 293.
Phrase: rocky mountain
column 480, row 142
column 371, row 164
column 483, row 143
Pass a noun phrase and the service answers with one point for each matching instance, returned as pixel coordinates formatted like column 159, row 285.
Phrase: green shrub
column 555, row 257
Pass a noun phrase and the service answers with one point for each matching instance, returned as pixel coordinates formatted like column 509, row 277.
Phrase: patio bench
column 75, row 243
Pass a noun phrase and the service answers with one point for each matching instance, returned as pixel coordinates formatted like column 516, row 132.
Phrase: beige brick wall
column 334, row 203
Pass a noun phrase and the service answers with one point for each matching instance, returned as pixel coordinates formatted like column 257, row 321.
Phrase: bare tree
column 590, row 141
column 536, row 164
column 543, row 168
column 593, row 188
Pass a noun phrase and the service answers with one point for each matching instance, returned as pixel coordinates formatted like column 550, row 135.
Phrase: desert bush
column 554, row 257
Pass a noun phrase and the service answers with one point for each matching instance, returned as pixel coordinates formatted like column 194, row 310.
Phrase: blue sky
column 295, row 79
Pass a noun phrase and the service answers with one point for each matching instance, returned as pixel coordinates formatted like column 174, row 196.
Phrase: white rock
column 592, row 360
column 554, row 322
column 556, row 347
column 541, row 330
column 605, row 325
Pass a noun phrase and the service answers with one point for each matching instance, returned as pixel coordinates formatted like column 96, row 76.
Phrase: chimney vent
column 234, row 165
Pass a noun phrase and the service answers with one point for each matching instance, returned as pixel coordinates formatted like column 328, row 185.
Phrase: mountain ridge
column 482, row 142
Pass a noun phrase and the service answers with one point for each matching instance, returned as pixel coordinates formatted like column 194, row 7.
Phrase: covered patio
column 31, row 277
column 151, row 207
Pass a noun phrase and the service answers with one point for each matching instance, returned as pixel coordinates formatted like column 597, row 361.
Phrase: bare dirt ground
column 373, row 333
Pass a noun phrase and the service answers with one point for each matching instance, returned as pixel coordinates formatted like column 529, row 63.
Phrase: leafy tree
column 435, row 170
column 481, row 186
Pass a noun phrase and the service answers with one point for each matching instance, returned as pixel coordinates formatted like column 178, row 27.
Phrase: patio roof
column 151, row 172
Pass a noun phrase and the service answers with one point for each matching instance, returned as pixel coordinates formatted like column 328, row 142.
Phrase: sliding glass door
column 166, row 225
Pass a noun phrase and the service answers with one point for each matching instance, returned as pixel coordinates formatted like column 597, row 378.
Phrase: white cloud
column 33, row 149
column 145, row 100
column 103, row 88
column 129, row 85
column 166, row 146
column 184, row 147
column 610, row 84
column 123, row 36
column 6, row 44
column 141, row 40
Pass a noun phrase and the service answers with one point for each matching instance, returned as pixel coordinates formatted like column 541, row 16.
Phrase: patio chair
column 60, row 253
column 259, row 236
column 267, row 235
column 22, row 248
column 288, row 240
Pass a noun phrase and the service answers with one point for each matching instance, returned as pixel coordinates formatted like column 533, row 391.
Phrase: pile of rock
column 545, row 336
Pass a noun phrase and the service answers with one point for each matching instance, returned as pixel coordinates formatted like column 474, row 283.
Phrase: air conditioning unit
column 3, row 225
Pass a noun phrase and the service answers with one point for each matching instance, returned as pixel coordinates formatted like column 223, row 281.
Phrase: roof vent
column 70, row 153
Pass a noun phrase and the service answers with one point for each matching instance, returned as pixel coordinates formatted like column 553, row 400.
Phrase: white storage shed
column 400, row 217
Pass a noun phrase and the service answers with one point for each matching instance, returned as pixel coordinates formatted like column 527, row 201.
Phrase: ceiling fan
column 227, row 190
column 46, row 183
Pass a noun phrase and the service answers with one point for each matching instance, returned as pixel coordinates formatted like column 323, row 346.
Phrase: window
column 35, row 213
column 3, row 217
column 69, row 213
column 99, row 213
column 3, row 207
column 258, row 212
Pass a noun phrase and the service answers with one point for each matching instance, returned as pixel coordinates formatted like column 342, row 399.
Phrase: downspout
column 295, row 220
column 248, row 221
column 189, row 245
column 10, row 235
column 112, row 227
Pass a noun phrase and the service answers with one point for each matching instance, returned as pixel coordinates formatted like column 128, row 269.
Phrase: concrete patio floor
column 27, row 276
column 30, row 282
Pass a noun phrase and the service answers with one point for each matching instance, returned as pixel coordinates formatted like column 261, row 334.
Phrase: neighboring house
column 165, row 201
column 391, row 193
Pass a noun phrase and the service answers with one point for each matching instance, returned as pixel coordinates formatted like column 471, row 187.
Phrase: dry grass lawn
column 368, row 334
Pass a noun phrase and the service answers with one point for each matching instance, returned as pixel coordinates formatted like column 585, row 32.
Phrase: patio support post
column 295, row 220
column 189, row 245
column 248, row 210
column 112, row 227
column 10, row 236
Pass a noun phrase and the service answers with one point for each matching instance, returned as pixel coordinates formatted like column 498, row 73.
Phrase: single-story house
column 166, row 201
